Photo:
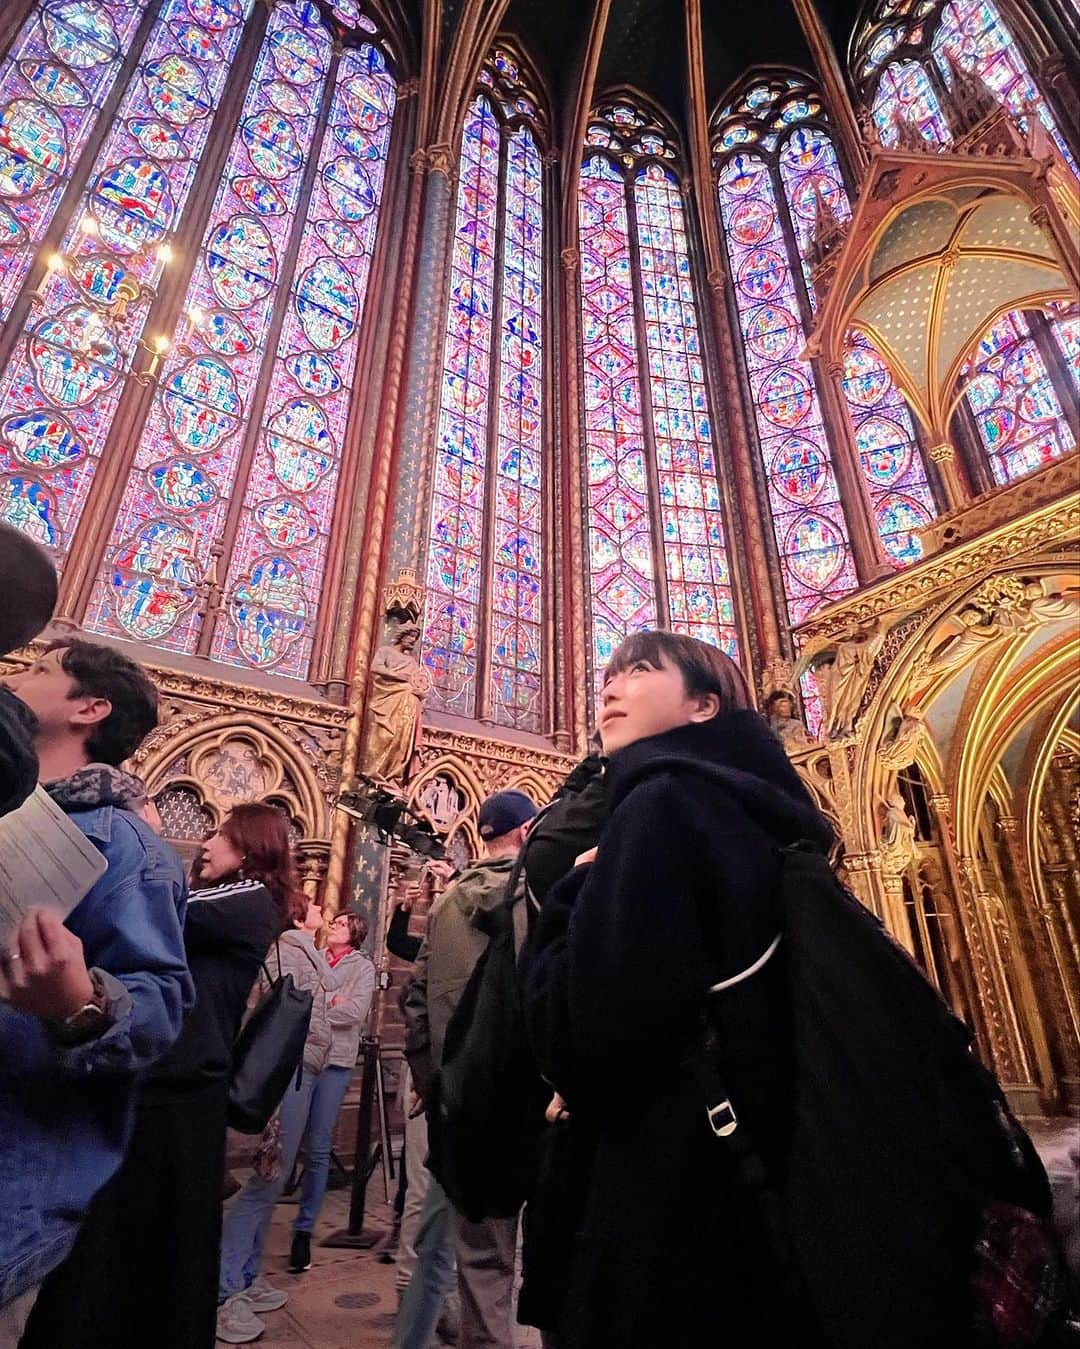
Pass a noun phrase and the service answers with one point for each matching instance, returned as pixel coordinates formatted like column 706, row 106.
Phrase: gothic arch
column 275, row 767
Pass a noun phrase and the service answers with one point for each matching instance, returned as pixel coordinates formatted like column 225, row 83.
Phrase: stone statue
column 784, row 722
column 1003, row 607
column 399, row 685
column 843, row 681
column 903, row 736
column 897, row 835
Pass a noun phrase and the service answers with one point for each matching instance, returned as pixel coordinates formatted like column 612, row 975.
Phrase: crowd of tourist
column 656, row 1056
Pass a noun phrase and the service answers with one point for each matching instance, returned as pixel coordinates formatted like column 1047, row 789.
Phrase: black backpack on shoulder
column 486, row 1102
column 912, row 1208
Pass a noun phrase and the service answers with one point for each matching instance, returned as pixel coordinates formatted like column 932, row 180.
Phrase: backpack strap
column 262, row 963
column 750, row 970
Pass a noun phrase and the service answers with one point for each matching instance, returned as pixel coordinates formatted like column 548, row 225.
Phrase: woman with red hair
column 145, row 1266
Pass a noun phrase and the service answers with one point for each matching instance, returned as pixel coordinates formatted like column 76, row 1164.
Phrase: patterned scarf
column 97, row 785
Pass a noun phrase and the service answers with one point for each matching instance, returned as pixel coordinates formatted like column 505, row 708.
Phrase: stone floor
column 347, row 1299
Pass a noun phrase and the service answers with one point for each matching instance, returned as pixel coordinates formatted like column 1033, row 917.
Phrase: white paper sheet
column 45, row 862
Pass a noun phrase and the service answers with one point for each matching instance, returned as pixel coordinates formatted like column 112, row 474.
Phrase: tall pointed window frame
column 656, row 545
column 483, row 641
column 776, row 166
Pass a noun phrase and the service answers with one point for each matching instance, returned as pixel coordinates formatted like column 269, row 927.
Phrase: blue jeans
column 433, row 1276
column 326, row 1099
column 247, row 1221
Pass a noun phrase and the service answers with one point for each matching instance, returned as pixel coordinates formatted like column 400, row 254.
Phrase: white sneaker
column 264, row 1297
column 236, row 1322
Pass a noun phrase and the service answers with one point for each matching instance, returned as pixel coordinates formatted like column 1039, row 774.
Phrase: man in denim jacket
column 92, row 1000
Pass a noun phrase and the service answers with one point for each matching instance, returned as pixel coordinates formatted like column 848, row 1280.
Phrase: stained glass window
column 60, row 70
column 888, row 451
column 972, row 34
column 905, row 94
column 656, row 544
column 1018, row 434
column 275, row 577
column 695, row 559
column 223, row 492
column 808, row 519
column 1019, row 415
column 484, row 600
column 62, row 386
column 620, row 545
column 515, row 596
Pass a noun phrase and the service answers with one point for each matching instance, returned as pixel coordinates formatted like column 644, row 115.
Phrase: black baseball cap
column 504, row 811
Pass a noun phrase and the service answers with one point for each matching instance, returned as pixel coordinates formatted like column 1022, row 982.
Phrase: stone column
column 867, row 549
column 952, row 480
column 312, row 859
column 397, row 459
column 574, row 544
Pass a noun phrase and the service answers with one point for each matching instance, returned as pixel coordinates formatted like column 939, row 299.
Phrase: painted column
column 416, row 428
column 573, row 534
column 428, row 198
column 867, row 549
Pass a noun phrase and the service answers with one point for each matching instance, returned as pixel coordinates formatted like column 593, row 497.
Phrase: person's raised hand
column 45, row 968
column 556, row 1112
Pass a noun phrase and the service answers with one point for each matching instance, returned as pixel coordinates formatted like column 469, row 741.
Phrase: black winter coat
column 683, row 893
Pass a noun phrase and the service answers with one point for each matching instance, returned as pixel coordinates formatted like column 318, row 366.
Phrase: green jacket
column 446, row 961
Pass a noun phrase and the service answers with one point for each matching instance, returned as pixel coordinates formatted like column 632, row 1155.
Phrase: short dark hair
column 358, row 930
column 101, row 671
column 704, row 668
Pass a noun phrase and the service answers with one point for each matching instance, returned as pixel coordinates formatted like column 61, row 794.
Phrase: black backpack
column 486, row 1101
column 268, row 1052
column 912, row 1208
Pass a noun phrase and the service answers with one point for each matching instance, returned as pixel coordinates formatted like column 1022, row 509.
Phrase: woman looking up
column 347, row 1011
column 683, row 889
column 242, row 1292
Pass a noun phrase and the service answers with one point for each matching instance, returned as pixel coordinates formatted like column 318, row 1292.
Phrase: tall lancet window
column 656, row 545
column 60, row 70
column 776, row 167
column 483, row 634
column 235, row 478
column 85, row 330
column 1022, row 382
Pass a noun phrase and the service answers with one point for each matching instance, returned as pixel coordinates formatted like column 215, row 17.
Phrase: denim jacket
column 65, row 1113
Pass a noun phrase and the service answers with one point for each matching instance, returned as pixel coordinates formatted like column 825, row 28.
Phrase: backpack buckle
column 722, row 1119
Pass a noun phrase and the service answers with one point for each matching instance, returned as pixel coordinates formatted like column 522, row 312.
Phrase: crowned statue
column 399, row 685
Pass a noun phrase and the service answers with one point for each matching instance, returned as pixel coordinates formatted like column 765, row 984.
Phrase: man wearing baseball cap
column 452, row 946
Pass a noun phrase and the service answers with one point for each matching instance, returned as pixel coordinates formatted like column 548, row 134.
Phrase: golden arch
column 291, row 778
